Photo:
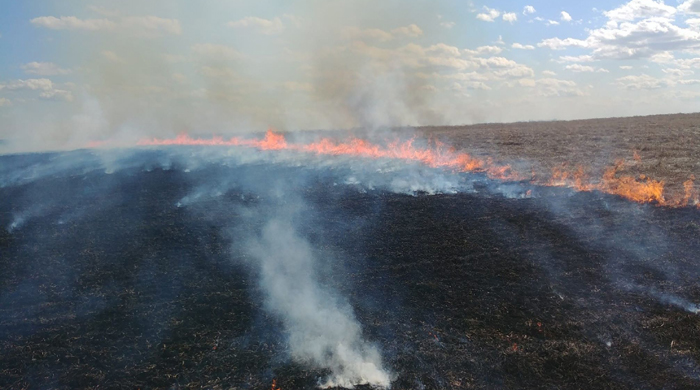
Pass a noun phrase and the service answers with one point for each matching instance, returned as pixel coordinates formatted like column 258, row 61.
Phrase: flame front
column 639, row 189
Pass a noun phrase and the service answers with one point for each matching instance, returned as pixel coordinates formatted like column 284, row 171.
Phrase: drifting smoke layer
column 638, row 189
column 322, row 331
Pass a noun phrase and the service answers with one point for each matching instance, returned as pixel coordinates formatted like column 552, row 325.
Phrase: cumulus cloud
column 693, row 23
column 626, row 67
column 581, row 58
column 565, row 16
column 675, row 72
column 73, row 23
column 522, row 47
column 640, row 9
column 45, row 87
column 561, row 44
column 510, row 17
column 690, row 6
column 642, row 81
column 637, row 29
column 578, row 68
column 529, row 10
column 44, row 69
column 140, row 25
column 481, row 50
column 551, row 87
column 489, row 15
column 408, row 31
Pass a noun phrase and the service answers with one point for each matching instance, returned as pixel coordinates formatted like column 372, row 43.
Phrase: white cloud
column 139, row 25
column 626, row 67
column 561, row 44
column 528, row 10
column 488, row 50
column 548, row 73
column 408, row 31
column 690, row 6
column 632, row 38
column 470, row 85
column 490, row 15
column 263, row 26
column 581, row 58
column 522, row 47
column 73, row 23
column 510, row 17
column 45, row 87
column 693, row 23
column 640, row 9
column 44, row 69
column 552, row 23
column 677, row 72
column 447, row 25
column 578, row 68
column 642, row 81
column 551, row 87
column 565, row 16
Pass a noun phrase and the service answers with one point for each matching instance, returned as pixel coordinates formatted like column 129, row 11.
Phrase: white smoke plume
column 321, row 328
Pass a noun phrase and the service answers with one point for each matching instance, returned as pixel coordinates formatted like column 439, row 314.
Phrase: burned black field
column 110, row 280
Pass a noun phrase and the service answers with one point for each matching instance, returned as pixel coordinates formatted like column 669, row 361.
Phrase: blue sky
column 81, row 70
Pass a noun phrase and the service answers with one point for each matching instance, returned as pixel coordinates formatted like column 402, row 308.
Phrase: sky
column 76, row 71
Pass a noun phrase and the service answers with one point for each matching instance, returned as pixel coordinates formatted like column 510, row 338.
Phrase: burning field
column 533, row 255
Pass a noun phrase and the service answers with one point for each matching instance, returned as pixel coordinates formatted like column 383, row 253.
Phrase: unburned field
column 667, row 145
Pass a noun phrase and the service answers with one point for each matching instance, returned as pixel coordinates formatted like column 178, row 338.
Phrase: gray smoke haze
column 322, row 329
column 327, row 70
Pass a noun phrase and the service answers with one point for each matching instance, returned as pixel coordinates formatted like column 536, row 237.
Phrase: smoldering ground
column 176, row 272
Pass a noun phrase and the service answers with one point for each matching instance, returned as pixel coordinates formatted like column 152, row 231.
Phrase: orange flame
column 639, row 189
column 437, row 157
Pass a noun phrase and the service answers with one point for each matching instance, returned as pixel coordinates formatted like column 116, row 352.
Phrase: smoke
column 322, row 329
column 311, row 74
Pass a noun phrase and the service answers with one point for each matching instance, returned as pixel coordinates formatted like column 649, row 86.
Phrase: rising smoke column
column 322, row 329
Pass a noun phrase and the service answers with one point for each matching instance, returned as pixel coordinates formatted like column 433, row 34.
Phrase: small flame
column 641, row 189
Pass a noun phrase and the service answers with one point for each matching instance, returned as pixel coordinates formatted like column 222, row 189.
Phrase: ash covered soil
column 108, row 280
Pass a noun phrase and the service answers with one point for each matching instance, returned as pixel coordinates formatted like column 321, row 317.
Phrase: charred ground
column 111, row 284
